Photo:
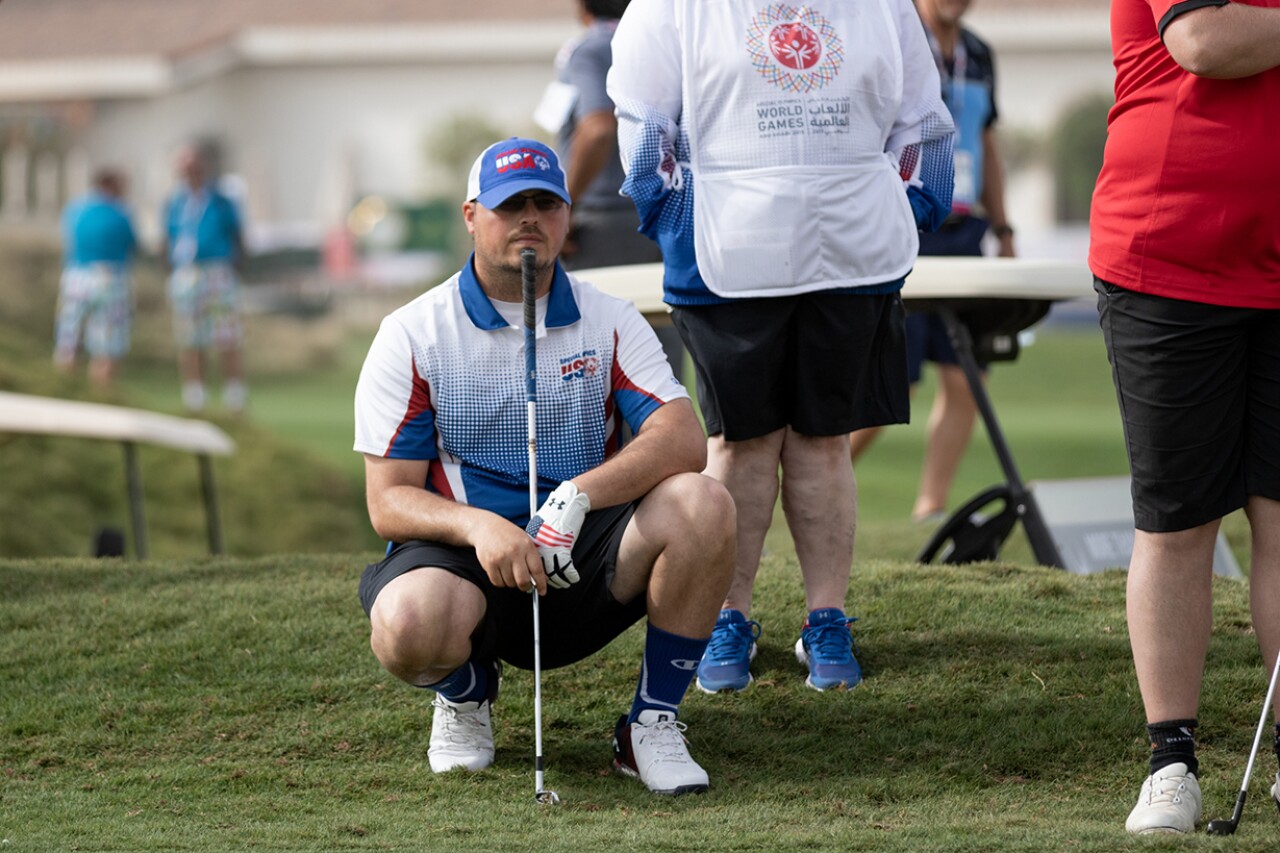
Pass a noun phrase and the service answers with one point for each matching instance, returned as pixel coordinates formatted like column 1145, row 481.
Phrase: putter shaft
column 529, row 283
column 1238, row 811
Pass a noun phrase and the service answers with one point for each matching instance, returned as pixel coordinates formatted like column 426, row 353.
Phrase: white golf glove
column 554, row 530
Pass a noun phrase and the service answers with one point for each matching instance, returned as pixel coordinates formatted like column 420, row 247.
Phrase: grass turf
column 196, row 704
column 233, row 704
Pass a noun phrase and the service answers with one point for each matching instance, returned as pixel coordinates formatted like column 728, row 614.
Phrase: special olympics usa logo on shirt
column 581, row 366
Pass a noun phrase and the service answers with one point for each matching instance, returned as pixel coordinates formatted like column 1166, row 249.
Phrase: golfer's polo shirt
column 96, row 230
column 201, row 226
column 444, row 381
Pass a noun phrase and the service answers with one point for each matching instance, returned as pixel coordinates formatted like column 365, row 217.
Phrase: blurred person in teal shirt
column 95, row 294
column 203, row 249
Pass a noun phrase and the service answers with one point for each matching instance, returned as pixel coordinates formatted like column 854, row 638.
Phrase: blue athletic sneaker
column 726, row 664
column 826, row 647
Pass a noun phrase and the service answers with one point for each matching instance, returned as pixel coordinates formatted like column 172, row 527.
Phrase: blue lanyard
column 953, row 78
column 193, row 209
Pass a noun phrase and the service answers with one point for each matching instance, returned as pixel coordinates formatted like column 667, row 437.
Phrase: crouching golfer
column 623, row 532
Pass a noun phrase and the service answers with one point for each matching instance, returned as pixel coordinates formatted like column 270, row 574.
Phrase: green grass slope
column 233, row 704
column 191, row 703
column 276, row 494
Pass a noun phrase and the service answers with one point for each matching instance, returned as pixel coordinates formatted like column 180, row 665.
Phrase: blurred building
column 312, row 105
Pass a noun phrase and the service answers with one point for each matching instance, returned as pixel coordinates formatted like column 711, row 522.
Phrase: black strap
column 1181, row 8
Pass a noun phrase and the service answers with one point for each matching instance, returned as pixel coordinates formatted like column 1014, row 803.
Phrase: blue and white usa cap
column 513, row 166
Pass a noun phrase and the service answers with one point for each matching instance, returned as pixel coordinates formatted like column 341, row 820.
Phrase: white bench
column 24, row 413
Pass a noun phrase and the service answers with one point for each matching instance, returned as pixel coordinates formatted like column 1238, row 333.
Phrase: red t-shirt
column 1188, row 201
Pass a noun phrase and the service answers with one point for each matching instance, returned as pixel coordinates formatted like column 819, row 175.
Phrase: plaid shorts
column 94, row 301
column 205, row 298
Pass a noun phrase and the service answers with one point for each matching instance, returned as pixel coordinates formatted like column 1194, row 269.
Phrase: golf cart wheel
column 969, row 534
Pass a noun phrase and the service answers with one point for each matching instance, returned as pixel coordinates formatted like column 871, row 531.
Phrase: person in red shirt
column 1185, row 251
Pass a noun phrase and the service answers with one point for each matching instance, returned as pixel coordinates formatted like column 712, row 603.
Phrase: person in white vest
column 784, row 159
column 966, row 65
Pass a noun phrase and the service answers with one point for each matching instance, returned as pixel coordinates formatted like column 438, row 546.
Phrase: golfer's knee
column 414, row 647
column 701, row 510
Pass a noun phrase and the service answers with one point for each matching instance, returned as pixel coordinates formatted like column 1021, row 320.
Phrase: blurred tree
column 1077, row 143
column 453, row 147
column 1022, row 148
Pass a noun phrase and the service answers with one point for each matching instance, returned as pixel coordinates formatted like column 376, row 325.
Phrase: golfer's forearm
column 993, row 192
column 401, row 513
column 993, row 180
column 1225, row 42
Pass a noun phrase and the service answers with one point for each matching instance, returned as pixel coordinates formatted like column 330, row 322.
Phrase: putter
column 529, row 285
column 1228, row 827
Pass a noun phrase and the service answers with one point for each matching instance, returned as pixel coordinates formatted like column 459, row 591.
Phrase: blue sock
column 467, row 683
column 669, row 665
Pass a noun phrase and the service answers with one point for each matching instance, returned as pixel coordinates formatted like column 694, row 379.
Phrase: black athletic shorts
column 927, row 340
column 1199, row 393
column 574, row 622
column 822, row 363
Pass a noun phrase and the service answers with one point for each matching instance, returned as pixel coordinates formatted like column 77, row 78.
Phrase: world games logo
column 794, row 48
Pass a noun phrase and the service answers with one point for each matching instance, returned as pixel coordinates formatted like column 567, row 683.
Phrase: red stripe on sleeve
column 419, row 402
column 622, row 382
column 907, row 166
column 437, row 481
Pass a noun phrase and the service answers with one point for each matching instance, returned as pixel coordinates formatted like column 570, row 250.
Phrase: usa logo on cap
column 513, row 166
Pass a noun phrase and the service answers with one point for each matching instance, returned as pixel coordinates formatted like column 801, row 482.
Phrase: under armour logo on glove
column 554, row 530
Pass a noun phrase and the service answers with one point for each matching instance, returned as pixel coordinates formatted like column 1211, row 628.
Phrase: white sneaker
column 193, row 396
column 1275, row 791
column 461, row 735
column 1169, row 802
column 653, row 749
column 235, row 394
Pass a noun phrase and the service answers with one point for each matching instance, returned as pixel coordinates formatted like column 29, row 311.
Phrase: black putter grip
column 528, row 281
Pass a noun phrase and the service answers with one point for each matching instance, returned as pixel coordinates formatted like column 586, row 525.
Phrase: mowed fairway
column 233, row 704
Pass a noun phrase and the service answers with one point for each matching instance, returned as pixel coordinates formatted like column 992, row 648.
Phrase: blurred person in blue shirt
column 203, row 250
column 604, row 229
column 95, row 299
column 966, row 69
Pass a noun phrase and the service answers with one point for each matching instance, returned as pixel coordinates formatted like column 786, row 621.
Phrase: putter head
column 551, row 798
column 1221, row 827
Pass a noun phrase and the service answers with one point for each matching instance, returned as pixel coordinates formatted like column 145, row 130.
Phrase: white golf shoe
column 653, row 749
column 1169, row 802
column 461, row 735
column 1275, row 791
